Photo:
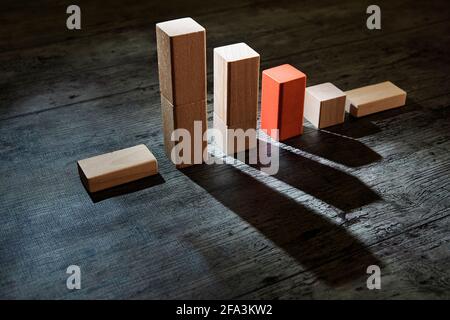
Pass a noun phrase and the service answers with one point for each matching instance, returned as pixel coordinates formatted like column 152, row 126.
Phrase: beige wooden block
column 324, row 105
column 233, row 140
column 184, row 117
column 374, row 98
column 181, row 46
column 118, row 167
column 236, row 78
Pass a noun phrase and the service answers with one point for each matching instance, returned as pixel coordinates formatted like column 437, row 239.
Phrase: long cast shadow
column 126, row 188
column 334, row 147
column 326, row 183
column 306, row 236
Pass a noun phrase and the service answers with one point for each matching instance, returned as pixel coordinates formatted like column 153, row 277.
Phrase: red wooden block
column 282, row 100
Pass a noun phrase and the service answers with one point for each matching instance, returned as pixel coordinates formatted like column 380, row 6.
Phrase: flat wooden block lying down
column 374, row 98
column 118, row 167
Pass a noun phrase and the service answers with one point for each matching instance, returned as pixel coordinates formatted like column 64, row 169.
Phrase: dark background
column 374, row 190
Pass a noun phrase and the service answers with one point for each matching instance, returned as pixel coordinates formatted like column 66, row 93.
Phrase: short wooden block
column 181, row 46
column 116, row 168
column 236, row 78
column 282, row 98
column 374, row 98
column 184, row 117
column 324, row 105
column 233, row 140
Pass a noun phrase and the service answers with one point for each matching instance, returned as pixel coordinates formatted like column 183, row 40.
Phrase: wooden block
column 324, row 105
column 282, row 98
column 236, row 77
column 183, row 117
column 181, row 46
column 374, row 98
column 233, row 140
column 116, row 168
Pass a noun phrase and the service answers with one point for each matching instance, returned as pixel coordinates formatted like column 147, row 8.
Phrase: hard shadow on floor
column 304, row 234
column 337, row 188
column 126, row 188
column 334, row 147
column 366, row 126
column 354, row 127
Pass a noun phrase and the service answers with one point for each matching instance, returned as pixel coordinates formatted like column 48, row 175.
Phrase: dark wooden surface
column 374, row 190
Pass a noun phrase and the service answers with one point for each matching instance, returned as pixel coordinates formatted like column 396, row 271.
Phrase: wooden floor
column 375, row 190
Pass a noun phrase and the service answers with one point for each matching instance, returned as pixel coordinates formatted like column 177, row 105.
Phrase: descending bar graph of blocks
column 324, row 105
column 282, row 98
column 374, row 98
column 181, row 46
column 236, row 79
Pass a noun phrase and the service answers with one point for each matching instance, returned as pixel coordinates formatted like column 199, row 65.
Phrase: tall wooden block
column 116, row 168
column 236, row 77
column 191, row 117
column 181, row 46
column 324, row 105
column 282, row 98
column 374, row 98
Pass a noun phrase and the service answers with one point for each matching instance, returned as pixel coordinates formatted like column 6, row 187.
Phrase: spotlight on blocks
column 282, row 98
column 324, row 105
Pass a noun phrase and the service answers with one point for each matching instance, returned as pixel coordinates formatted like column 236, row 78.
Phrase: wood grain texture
column 236, row 85
column 45, row 70
column 181, row 46
column 324, row 105
column 117, row 167
column 371, row 190
column 374, row 98
column 184, row 117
